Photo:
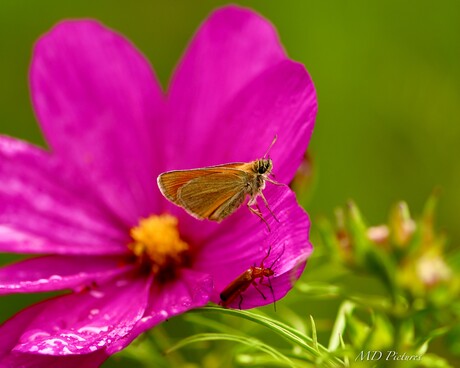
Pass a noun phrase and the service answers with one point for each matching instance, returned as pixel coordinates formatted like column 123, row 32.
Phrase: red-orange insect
column 238, row 286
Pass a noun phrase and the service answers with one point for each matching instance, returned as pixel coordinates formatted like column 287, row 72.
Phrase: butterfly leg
column 270, row 180
column 268, row 207
column 257, row 212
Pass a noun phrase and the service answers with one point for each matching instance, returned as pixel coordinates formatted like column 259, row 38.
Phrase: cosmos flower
column 90, row 212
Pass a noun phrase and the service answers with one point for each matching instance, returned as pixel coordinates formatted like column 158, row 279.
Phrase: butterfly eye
column 263, row 166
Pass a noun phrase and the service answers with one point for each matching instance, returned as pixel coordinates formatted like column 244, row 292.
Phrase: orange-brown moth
column 215, row 192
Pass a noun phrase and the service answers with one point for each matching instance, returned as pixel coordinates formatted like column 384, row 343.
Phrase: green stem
column 319, row 352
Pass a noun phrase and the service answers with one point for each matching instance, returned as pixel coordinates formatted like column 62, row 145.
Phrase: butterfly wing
column 170, row 182
column 214, row 196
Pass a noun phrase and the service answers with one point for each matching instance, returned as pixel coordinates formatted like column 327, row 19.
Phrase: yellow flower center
column 157, row 243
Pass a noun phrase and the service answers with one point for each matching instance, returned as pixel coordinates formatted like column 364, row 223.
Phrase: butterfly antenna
column 271, row 145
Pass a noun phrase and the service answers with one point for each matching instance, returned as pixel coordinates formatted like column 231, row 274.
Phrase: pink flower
column 90, row 204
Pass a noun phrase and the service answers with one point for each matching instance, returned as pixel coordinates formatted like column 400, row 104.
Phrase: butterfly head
column 263, row 166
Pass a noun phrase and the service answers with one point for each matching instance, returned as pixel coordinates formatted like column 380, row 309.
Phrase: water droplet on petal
column 34, row 335
column 47, row 351
column 93, row 329
column 97, row 294
column 73, row 336
column 146, row 319
column 55, row 342
column 66, row 350
column 120, row 283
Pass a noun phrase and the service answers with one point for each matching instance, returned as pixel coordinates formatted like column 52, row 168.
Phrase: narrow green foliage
column 346, row 308
column 254, row 343
column 313, row 333
column 311, row 348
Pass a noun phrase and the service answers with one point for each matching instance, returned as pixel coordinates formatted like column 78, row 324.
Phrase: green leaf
column 433, row 361
column 318, row 289
column 287, row 332
column 358, row 231
column 401, row 224
column 262, row 360
column 345, row 309
column 213, row 324
column 252, row 342
column 314, row 335
column 329, row 237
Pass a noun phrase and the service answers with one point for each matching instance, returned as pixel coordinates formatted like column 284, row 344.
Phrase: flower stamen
column 157, row 243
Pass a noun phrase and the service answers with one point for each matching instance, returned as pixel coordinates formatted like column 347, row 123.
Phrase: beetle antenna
column 268, row 255
column 279, row 256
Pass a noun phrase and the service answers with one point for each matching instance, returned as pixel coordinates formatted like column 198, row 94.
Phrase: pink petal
column 57, row 273
column 45, row 207
column 12, row 331
column 230, row 49
column 280, row 102
column 79, row 323
column 99, row 106
column 244, row 242
column 192, row 290
column 93, row 360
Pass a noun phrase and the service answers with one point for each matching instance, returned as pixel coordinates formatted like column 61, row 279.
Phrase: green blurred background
column 387, row 76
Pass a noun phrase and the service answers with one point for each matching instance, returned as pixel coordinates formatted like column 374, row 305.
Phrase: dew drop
column 66, row 350
column 73, row 336
column 122, row 282
column 55, row 342
column 47, row 350
column 33, row 336
column 93, row 329
column 97, row 294
column 146, row 319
